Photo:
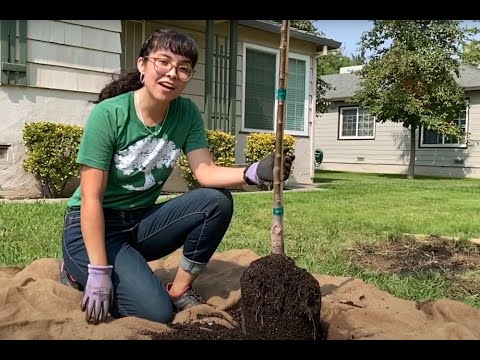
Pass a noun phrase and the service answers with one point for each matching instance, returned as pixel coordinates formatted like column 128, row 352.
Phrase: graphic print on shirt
column 146, row 156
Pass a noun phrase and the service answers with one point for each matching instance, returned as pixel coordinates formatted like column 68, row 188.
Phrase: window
column 429, row 138
column 13, row 52
column 260, row 82
column 356, row 123
column 132, row 37
column 4, row 154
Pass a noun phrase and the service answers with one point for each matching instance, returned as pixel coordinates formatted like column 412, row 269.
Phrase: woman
column 131, row 142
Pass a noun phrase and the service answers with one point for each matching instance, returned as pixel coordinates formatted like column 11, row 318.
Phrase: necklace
column 137, row 103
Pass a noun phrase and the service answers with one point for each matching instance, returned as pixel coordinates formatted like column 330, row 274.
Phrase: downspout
column 318, row 55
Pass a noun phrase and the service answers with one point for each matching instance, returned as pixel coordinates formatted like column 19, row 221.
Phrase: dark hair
column 176, row 42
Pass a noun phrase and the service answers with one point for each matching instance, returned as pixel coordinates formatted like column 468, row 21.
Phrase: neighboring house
column 51, row 70
column 351, row 139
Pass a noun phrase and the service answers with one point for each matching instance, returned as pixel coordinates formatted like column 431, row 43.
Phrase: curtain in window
column 260, row 89
column 295, row 103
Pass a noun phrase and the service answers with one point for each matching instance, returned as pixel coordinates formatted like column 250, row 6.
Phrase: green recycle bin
column 318, row 156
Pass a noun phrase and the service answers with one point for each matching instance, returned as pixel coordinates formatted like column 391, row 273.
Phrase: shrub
column 260, row 145
column 51, row 150
column 222, row 148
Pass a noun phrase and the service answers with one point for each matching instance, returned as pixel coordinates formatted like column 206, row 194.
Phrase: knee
column 163, row 316
column 158, row 314
column 157, row 308
column 223, row 200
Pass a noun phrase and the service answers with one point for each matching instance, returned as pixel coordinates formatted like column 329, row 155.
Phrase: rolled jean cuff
column 191, row 266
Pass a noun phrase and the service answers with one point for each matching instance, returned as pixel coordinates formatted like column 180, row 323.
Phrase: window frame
column 276, row 52
column 5, row 149
column 123, row 43
column 421, row 145
column 13, row 52
column 356, row 137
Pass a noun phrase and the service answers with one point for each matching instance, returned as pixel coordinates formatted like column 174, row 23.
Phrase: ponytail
column 129, row 81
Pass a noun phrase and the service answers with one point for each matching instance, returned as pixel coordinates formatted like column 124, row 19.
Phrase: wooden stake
column 277, row 234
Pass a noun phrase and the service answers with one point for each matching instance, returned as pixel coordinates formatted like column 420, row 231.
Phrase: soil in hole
column 458, row 261
column 407, row 255
column 279, row 301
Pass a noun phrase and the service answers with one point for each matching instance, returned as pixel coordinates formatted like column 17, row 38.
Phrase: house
column 351, row 139
column 53, row 69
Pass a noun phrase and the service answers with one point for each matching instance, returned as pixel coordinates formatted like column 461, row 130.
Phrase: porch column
column 232, row 77
column 208, row 73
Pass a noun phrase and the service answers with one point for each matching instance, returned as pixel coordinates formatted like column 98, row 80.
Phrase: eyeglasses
column 163, row 66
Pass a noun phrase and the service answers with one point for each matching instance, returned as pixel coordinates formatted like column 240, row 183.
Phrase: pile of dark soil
column 279, row 301
column 199, row 331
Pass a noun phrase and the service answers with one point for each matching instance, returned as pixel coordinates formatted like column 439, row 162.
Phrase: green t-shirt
column 138, row 162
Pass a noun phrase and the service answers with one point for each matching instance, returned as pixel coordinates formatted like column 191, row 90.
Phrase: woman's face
column 166, row 74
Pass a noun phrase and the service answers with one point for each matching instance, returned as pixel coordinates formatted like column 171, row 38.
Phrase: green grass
column 319, row 225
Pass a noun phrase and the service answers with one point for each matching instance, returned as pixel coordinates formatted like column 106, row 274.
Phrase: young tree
column 410, row 78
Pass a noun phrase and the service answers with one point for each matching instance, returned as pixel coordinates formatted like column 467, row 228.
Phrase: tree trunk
column 277, row 236
column 413, row 155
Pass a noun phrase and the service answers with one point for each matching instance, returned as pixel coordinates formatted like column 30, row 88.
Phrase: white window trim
column 462, row 146
column 277, row 68
column 356, row 137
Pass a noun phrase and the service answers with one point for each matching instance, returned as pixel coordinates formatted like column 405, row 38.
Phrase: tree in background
column 471, row 53
column 471, row 48
column 332, row 62
column 305, row 25
column 359, row 59
column 410, row 76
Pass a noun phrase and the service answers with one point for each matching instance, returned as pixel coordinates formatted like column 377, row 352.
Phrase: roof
column 345, row 85
column 294, row 33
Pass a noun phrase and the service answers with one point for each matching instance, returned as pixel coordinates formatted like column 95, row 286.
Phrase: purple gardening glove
column 262, row 171
column 98, row 293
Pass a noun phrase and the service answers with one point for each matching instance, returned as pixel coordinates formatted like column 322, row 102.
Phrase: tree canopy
column 411, row 75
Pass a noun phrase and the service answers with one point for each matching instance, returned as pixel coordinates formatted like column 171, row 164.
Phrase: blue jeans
column 196, row 220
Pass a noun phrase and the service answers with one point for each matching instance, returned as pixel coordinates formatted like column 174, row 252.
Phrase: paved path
column 294, row 188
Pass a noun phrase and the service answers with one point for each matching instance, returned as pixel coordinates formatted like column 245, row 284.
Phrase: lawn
column 323, row 229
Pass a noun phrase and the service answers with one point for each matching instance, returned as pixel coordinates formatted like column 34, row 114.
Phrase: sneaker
column 188, row 299
column 67, row 279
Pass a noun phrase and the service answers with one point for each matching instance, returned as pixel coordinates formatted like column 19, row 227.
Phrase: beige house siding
column 68, row 63
column 389, row 152
column 71, row 54
column 20, row 105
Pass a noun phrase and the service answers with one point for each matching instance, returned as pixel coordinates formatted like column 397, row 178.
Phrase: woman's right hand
column 98, row 293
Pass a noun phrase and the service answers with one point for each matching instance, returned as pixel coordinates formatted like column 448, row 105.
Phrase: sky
column 348, row 32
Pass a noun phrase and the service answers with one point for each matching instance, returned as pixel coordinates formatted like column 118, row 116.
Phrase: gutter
column 294, row 33
column 471, row 88
column 343, row 98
